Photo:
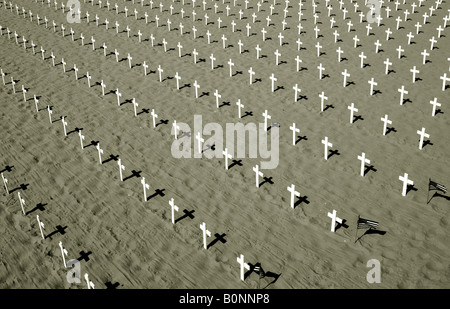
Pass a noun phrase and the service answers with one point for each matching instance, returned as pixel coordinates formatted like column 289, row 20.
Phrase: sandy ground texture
column 123, row 241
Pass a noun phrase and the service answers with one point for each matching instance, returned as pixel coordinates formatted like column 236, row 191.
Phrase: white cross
column 258, row 49
column 248, row 29
column 22, row 202
column 240, row 44
column 173, row 208
column 103, row 87
column 129, row 60
column 63, row 253
column 218, row 96
column 159, row 72
column 212, row 61
column 179, row 49
column 294, row 131
column 316, row 29
column 121, row 168
column 424, row 54
column 231, row 64
column 334, row 219
column 387, row 63
column 444, row 80
column 406, row 182
column 139, row 35
column 118, row 94
column 273, row 79
column 49, row 113
column 322, row 98
column 410, row 36
column 320, row 68
column 154, row 116
column 434, row 103
column 372, row 83
column 345, row 74
column 36, row 101
column 356, row 40
column 100, row 151
column 299, row 44
column 145, row 187
column 402, row 92
column 175, row 128
column 152, row 39
column 414, row 71
column 227, row 156
column 266, row 116
column 352, row 110
column 439, row 29
column 298, row 60
column 363, row 160
column 250, row 71
column 145, row 68
column 349, row 24
column 326, row 144
column 205, row 233
column 165, row 44
column 386, row 121
column 293, row 194
column 432, row 40
column 178, row 78
column 339, row 51
column 377, row 44
column 200, row 140
column 281, row 37
column 135, row 105
column 277, row 54
column 5, row 183
column 89, row 283
column 117, row 55
column 422, row 135
column 196, row 86
column 24, row 91
column 233, row 24
column 336, row 34
column 64, row 122
column 81, row 138
column 296, row 90
column 258, row 173
column 239, row 105
column 195, row 53
column 263, row 31
column 244, row 265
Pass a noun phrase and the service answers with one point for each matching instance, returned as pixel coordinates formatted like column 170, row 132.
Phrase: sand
column 132, row 243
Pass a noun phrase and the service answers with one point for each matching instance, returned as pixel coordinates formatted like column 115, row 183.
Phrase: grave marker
column 41, row 226
column 322, row 98
column 434, row 103
column 22, row 202
column 145, row 187
column 63, row 253
column 326, row 144
column 334, row 219
column 174, row 208
column 135, row 105
column 352, row 110
column 64, row 123
column 258, row 173
column 81, row 138
column 293, row 194
column 243, row 265
column 406, row 182
column 294, row 131
column 205, row 233
column 100, row 151
column 422, row 135
column 121, row 168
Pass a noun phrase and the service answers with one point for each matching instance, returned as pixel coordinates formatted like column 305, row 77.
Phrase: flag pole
column 356, row 236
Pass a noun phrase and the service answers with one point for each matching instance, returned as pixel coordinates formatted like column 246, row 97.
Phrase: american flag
column 367, row 224
column 435, row 186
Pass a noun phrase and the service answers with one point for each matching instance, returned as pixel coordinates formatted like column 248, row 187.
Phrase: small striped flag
column 367, row 224
column 435, row 186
